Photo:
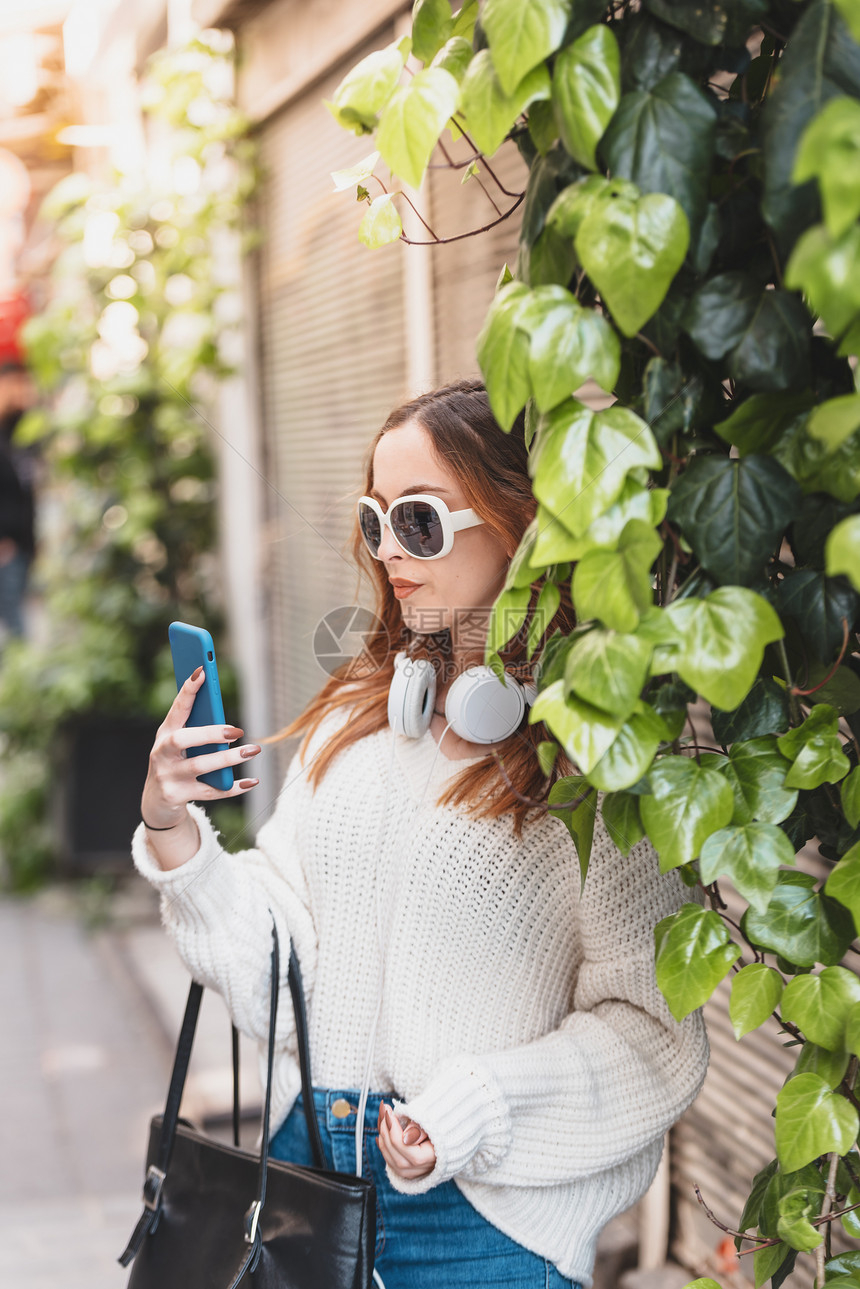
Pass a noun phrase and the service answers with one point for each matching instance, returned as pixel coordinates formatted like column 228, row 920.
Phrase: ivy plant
column 690, row 242
column 135, row 329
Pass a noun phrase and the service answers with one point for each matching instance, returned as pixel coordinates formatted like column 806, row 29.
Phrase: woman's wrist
column 173, row 846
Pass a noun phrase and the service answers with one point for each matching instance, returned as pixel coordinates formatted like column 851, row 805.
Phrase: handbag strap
column 157, row 1172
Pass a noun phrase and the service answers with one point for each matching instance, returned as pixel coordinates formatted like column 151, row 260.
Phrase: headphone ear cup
column 480, row 709
column 411, row 696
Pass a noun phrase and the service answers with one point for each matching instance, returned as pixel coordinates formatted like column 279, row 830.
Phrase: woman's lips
column 402, row 588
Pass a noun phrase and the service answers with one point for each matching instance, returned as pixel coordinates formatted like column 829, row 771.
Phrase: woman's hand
column 172, row 779
column 405, row 1146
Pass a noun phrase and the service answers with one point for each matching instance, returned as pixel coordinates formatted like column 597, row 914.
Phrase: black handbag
column 215, row 1216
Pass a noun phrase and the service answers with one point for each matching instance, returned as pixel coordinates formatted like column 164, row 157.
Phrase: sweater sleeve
column 218, row 909
column 609, row 1081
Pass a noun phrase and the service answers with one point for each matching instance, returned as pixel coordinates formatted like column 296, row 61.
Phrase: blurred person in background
column 17, row 527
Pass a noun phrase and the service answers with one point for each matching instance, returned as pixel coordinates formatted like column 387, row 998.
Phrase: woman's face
column 438, row 593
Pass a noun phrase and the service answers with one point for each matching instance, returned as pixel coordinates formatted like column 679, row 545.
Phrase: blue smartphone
column 191, row 648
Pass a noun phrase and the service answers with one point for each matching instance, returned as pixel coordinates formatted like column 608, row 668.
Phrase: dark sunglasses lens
column 418, row 527
column 371, row 528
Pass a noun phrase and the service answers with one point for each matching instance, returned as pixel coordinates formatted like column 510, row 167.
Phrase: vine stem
column 440, row 241
column 822, row 1252
column 832, row 672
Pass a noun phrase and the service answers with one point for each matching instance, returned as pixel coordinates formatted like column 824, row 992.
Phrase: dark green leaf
column 542, row 126
column 720, row 312
column 752, row 1209
column 621, row 817
column 693, row 954
column 845, row 1264
column 733, row 512
column 715, row 24
column 763, row 711
column 550, row 260
column 757, row 770
column 830, row 1066
column 774, row 351
column 818, row 605
column 841, row 691
column 721, row 642
column 820, row 62
column 687, row 803
column 801, row 925
column 663, row 139
column 769, row 1261
column 759, row 421
column 585, row 91
column 579, row 821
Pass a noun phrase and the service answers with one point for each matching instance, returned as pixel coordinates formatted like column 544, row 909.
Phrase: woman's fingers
column 408, row 1160
column 199, row 735
column 192, row 766
column 180, row 708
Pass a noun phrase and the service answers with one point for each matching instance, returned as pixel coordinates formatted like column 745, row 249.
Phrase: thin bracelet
column 150, row 828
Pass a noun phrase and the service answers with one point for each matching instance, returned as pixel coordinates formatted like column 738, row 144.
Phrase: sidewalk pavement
column 89, row 1020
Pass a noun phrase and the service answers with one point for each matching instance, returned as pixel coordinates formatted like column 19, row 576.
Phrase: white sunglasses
column 422, row 525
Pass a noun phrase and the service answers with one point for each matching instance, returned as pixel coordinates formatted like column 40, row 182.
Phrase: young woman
column 522, row 1064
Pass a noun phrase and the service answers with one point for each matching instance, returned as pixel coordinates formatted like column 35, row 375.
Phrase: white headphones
column 478, row 707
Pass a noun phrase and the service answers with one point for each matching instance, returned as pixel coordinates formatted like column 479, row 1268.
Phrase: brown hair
column 493, row 469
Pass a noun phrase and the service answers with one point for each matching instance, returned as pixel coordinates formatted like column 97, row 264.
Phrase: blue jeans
column 431, row 1241
column 13, row 585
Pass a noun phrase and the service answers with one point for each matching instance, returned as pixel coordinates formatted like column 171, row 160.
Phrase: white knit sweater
column 521, row 1023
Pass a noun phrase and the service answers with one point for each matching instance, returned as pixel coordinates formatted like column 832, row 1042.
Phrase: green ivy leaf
column 464, row 21
column 751, row 855
column 851, row 15
column 835, row 420
column 432, row 23
column 614, row 586
column 582, row 458
column 381, row 224
column 763, row 711
column 816, row 750
column 686, row 804
column 811, row 1121
column 801, row 925
column 584, row 731
column 367, row 87
column 773, row 353
column 579, row 821
column 842, row 551
column 634, row 502
column 542, row 127
column 662, row 139
column 767, row 1262
column 819, row 1005
column 503, row 354
column 586, row 87
column 693, row 954
column 720, row 311
column 850, row 796
column 547, row 753
column 414, row 117
column 621, row 816
column 567, row 345
column 843, row 884
column 756, row 770
column 830, row 1066
column 631, row 248
column 522, row 35
column 852, row 1030
column 756, row 991
column 704, row 1282
column 751, row 1215
column 354, row 175
column 608, row 669
column 520, row 572
column 630, row 756
column 732, row 512
column 488, row 110
column 817, row 605
column 508, row 615
column 574, row 202
column 723, row 639
column 820, row 63
column 545, row 610
column 827, row 270
column 454, row 57
column 759, row 421
column 794, row 1227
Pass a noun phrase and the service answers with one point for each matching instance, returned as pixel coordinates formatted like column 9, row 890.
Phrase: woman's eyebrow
column 432, row 488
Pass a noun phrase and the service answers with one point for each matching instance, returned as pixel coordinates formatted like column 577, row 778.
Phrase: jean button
column 341, row 1109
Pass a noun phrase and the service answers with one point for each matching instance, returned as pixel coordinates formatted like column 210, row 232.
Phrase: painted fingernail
column 196, row 673
column 388, row 1119
column 248, row 783
column 411, row 1135
column 250, row 750
column 379, row 1117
